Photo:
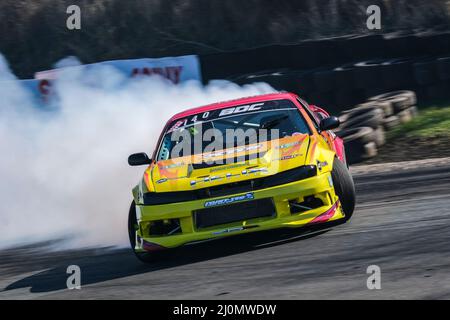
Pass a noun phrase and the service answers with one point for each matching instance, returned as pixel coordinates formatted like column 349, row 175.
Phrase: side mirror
column 139, row 159
column 329, row 123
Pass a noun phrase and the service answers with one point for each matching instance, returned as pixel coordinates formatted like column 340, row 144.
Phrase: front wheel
column 344, row 187
column 146, row 257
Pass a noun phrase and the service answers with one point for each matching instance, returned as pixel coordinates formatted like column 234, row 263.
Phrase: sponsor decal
column 241, row 109
column 288, row 157
column 171, row 171
column 230, row 200
column 173, row 165
column 177, row 125
column 206, row 179
column 228, row 167
column 234, row 229
column 228, row 230
column 288, row 145
column 321, row 164
column 231, row 111
column 232, row 151
column 228, row 175
column 255, row 170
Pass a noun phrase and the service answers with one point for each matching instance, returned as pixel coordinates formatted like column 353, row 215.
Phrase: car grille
column 234, row 212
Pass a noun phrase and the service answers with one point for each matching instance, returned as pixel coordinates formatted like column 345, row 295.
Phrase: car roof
column 234, row 102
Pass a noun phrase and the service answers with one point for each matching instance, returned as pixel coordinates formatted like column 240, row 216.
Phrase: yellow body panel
column 278, row 156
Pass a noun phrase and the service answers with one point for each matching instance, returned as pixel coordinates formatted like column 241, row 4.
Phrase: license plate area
column 242, row 211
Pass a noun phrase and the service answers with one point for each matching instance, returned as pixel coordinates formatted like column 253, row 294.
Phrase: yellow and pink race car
column 241, row 166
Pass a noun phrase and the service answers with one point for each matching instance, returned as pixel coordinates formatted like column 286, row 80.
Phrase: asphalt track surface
column 401, row 224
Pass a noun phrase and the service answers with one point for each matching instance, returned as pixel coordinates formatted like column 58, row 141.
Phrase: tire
column 344, row 188
column 358, row 110
column 358, row 153
column 401, row 103
column 359, row 143
column 360, row 135
column 408, row 96
column 385, row 106
column 372, row 118
column 414, row 111
column 405, row 115
column 391, row 122
column 370, row 150
column 145, row 257
column 380, row 136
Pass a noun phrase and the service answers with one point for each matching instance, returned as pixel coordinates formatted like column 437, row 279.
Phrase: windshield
column 231, row 127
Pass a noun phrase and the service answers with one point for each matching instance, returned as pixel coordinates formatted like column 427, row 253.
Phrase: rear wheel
column 344, row 188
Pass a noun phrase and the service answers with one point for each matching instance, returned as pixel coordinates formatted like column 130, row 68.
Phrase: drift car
column 297, row 177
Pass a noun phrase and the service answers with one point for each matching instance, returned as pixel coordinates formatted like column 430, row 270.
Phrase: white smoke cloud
column 64, row 172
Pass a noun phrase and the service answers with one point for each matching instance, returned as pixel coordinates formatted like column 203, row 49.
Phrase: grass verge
column 426, row 136
column 433, row 122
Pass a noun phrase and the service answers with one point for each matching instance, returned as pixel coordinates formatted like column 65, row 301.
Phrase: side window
column 311, row 114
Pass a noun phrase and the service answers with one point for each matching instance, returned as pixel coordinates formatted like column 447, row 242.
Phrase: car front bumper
column 282, row 196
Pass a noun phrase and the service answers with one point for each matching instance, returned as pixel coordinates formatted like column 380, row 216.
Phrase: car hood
column 197, row 172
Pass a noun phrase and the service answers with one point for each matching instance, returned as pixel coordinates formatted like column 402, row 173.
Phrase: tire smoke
column 63, row 167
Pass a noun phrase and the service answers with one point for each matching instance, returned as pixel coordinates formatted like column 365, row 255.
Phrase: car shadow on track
column 99, row 266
